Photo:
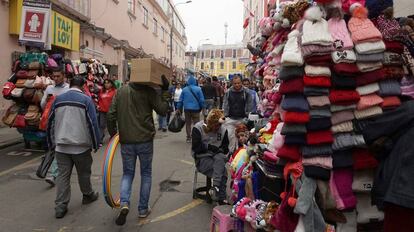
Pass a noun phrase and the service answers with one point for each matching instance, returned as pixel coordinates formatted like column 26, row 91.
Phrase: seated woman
column 209, row 149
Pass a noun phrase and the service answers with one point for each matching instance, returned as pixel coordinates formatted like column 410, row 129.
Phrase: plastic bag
column 177, row 123
column 45, row 164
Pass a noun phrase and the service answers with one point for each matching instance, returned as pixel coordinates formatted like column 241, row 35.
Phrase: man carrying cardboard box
column 131, row 115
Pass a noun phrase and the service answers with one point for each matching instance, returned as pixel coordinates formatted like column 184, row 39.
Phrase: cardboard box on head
column 148, row 71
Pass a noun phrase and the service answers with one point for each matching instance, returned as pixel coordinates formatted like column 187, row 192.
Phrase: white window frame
column 155, row 30
column 131, row 6
column 145, row 19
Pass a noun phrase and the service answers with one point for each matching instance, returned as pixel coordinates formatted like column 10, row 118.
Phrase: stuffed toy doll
column 266, row 26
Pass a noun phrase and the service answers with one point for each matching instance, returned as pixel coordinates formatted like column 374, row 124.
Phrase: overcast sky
column 205, row 19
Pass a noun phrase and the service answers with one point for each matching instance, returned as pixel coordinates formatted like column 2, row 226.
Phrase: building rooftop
column 223, row 46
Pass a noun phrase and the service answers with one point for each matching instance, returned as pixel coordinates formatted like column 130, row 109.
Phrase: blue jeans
column 129, row 153
column 162, row 122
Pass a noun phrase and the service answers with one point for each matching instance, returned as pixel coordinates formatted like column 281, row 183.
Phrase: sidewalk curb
column 11, row 143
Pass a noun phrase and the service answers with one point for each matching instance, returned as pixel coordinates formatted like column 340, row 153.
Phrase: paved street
column 28, row 202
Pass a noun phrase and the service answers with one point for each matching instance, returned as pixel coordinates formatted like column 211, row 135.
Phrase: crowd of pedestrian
column 77, row 125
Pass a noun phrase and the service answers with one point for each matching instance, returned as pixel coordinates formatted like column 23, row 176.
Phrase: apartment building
column 220, row 60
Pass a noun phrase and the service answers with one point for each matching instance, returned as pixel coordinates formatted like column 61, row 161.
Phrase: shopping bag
column 45, row 115
column 176, row 124
column 44, row 166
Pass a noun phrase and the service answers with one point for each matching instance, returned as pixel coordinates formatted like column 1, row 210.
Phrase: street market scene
column 207, row 115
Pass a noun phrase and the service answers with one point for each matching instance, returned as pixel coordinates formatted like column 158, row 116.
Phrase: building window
column 202, row 65
column 212, row 65
column 155, row 27
column 131, row 6
column 212, row 54
column 234, row 65
column 145, row 16
column 202, row 55
column 162, row 34
column 234, row 53
column 222, row 65
column 222, row 54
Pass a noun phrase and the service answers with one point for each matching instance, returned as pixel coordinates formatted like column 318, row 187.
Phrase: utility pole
column 226, row 25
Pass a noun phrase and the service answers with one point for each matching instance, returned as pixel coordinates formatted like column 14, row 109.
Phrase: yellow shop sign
column 65, row 32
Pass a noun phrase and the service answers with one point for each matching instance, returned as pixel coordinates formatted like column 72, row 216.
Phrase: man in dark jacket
column 131, row 115
column 219, row 92
column 237, row 105
column 192, row 99
column 210, row 95
column 72, row 133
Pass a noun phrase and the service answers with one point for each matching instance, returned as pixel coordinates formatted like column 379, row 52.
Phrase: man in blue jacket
column 72, row 133
column 192, row 99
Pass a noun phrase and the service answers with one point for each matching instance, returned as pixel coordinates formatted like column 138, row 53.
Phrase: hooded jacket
column 131, row 113
column 187, row 98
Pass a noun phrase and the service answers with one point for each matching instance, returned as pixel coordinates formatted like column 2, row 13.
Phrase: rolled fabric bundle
column 298, row 140
column 374, row 57
column 319, row 60
column 368, row 101
column 316, row 50
column 346, row 141
column 343, row 82
column 389, row 87
column 296, row 117
column 368, row 89
column 394, row 46
column 393, row 59
column 363, row 159
column 317, row 81
column 342, row 127
column 337, row 108
column 317, row 150
column 346, row 69
column 319, row 124
column 373, row 77
column 292, row 86
column 319, row 137
column 342, row 159
column 370, row 47
column 394, row 72
column 295, row 103
column 291, row 153
column 342, row 116
column 320, row 113
column 344, row 97
column 293, row 129
column 320, row 161
column 346, row 56
column 369, row 66
column 318, row 101
column 317, row 71
column 367, row 113
column 291, row 72
column 315, row 91
column 390, row 102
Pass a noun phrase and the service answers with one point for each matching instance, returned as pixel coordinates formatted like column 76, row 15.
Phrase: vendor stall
column 338, row 78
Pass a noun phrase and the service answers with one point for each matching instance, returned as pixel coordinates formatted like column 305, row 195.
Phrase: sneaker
column 159, row 128
column 144, row 213
column 121, row 219
column 214, row 193
column 164, row 130
column 60, row 213
column 188, row 140
column 51, row 180
column 87, row 199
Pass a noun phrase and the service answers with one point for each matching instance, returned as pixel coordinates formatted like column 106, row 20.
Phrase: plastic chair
column 202, row 192
column 221, row 221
